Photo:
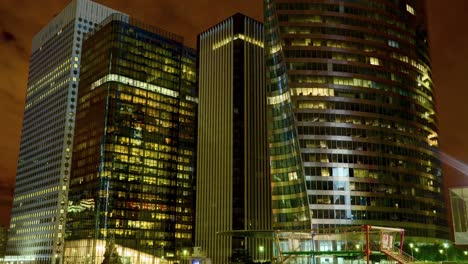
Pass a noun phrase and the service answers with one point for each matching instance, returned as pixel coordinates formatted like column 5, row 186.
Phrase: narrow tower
column 233, row 191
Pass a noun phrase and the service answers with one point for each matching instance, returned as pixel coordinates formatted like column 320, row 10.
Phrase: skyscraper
column 3, row 241
column 459, row 207
column 132, row 180
column 233, row 191
column 350, row 90
column 40, row 198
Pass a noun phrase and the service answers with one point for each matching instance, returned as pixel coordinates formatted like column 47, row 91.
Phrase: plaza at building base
column 332, row 245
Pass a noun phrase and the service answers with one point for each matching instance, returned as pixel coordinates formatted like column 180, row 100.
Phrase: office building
column 40, row 197
column 459, row 206
column 350, row 90
column 233, row 186
column 132, row 183
column 3, row 241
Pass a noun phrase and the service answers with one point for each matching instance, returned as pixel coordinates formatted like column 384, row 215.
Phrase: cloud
column 7, row 37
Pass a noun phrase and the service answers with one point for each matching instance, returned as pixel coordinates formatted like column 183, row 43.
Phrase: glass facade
column 354, row 78
column 289, row 197
column 133, row 171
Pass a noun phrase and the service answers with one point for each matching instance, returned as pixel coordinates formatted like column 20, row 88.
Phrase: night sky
column 21, row 19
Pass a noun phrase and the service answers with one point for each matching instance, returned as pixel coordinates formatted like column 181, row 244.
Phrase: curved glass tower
column 289, row 196
column 350, row 90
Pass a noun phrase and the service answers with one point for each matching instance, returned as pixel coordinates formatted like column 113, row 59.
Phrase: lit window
column 312, row 92
column 192, row 99
column 75, row 65
column 285, row 97
column 374, row 61
column 300, row 42
column 410, row 9
column 393, row 43
column 433, row 139
column 292, row 176
column 135, row 83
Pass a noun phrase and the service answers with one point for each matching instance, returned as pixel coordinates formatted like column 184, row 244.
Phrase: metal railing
column 398, row 255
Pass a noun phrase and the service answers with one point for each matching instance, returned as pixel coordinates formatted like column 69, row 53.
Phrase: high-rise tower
column 132, row 180
column 350, row 89
column 40, row 198
column 233, row 186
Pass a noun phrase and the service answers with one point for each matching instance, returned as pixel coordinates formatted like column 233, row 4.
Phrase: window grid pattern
column 40, row 197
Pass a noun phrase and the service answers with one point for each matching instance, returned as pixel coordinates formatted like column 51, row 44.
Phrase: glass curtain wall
column 132, row 183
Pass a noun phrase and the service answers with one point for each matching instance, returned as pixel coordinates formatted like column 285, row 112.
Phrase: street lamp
column 411, row 245
column 446, row 246
column 358, row 247
column 261, row 249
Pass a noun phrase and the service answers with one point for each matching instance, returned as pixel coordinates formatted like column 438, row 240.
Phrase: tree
column 111, row 256
column 240, row 256
column 429, row 252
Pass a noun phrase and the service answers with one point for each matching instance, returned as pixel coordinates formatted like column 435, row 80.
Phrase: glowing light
column 285, row 97
column 275, row 48
column 245, row 38
column 454, row 163
column 410, row 9
column 192, row 99
column 432, row 138
column 135, row 83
